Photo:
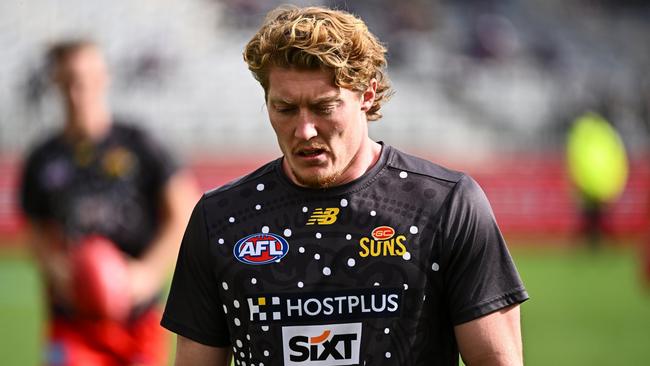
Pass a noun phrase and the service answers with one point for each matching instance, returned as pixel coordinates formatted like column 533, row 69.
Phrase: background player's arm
column 47, row 246
column 491, row 340
column 190, row 353
column 148, row 273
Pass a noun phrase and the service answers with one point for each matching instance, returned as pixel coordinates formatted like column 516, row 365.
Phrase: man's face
column 83, row 80
column 321, row 128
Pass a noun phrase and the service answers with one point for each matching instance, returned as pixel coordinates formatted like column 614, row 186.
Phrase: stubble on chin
column 317, row 181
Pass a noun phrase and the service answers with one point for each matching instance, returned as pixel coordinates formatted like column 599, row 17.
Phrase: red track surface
column 530, row 195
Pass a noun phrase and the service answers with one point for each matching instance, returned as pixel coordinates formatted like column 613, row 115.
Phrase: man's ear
column 368, row 96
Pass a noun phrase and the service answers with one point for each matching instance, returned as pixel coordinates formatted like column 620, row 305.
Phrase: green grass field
column 585, row 308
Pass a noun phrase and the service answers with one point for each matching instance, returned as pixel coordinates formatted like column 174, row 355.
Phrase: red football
column 100, row 279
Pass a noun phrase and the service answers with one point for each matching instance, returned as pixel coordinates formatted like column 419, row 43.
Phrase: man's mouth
column 310, row 152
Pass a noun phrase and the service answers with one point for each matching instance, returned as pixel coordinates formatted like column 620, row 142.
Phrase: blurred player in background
column 598, row 167
column 98, row 179
column 345, row 251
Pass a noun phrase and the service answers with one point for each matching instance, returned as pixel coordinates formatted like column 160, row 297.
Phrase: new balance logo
column 323, row 216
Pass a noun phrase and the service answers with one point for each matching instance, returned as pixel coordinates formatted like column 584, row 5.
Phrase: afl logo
column 383, row 233
column 261, row 248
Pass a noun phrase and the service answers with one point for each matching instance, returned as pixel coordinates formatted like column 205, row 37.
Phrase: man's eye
column 328, row 109
column 285, row 110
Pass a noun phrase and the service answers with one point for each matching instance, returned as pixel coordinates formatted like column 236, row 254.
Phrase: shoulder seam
column 390, row 164
column 240, row 180
column 446, row 202
column 461, row 175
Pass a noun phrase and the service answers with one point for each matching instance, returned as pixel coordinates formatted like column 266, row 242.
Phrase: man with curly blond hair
column 344, row 251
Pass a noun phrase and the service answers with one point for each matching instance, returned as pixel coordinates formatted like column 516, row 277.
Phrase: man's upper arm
column 479, row 273
column 194, row 308
column 491, row 340
column 191, row 353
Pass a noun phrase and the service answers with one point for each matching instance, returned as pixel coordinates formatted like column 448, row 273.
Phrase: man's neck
column 368, row 157
column 90, row 127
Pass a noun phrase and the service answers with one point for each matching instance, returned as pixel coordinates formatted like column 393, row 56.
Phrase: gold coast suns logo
column 382, row 242
column 323, row 216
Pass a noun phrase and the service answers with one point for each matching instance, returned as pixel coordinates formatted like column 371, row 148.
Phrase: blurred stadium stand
column 489, row 87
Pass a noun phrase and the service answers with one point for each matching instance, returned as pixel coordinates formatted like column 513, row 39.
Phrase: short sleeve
column 479, row 273
column 194, row 309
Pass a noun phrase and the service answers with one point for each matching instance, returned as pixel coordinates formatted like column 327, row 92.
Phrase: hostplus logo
column 376, row 302
column 326, row 216
column 320, row 345
column 263, row 310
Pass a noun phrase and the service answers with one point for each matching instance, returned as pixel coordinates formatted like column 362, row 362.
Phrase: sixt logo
column 323, row 216
column 261, row 248
column 383, row 243
column 332, row 344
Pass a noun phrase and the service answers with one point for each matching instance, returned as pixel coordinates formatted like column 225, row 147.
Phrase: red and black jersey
column 110, row 188
column 374, row 272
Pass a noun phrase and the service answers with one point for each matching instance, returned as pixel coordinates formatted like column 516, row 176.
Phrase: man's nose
column 76, row 92
column 305, row 127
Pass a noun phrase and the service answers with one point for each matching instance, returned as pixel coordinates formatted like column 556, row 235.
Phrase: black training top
column 110, row 188
column 374, row 272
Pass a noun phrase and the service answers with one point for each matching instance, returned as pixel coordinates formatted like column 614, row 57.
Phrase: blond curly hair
column 314, row 37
